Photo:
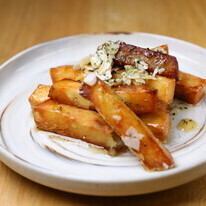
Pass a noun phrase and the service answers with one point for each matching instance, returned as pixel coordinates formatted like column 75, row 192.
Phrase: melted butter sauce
column 98, row 150
column 178, row 107
column 93, row 148
column 187, row 125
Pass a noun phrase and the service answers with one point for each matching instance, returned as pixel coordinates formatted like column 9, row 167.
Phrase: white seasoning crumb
column 132, row 132
column 95, row 60
column 165, row 165
column 155, row 72
column 90, row 79
column 158, row 71
column 117, row 117
column 101, row 62
column 132, row 138
column 140, row 64
column 160, row 49
column 161, row 70
column 85, row 61
column 133, row 143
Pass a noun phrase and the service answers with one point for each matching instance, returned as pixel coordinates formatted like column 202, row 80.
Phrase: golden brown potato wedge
column 158, row 122
column 38, row 100
column 134, row 133
column 39, row 95
column 77, row 123
column 67, row 92
column 139, row 98
column 66, row 72
column 190, row 88
column 165, row 88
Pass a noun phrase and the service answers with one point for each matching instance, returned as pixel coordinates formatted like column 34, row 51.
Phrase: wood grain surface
column 24, row 23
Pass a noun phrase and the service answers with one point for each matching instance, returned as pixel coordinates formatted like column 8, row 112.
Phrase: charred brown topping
column 129, row 55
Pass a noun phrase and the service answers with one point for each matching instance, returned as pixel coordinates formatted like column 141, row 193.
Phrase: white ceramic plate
column 78, row 168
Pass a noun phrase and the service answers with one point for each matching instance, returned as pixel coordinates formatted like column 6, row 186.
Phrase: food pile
column 117, row 98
